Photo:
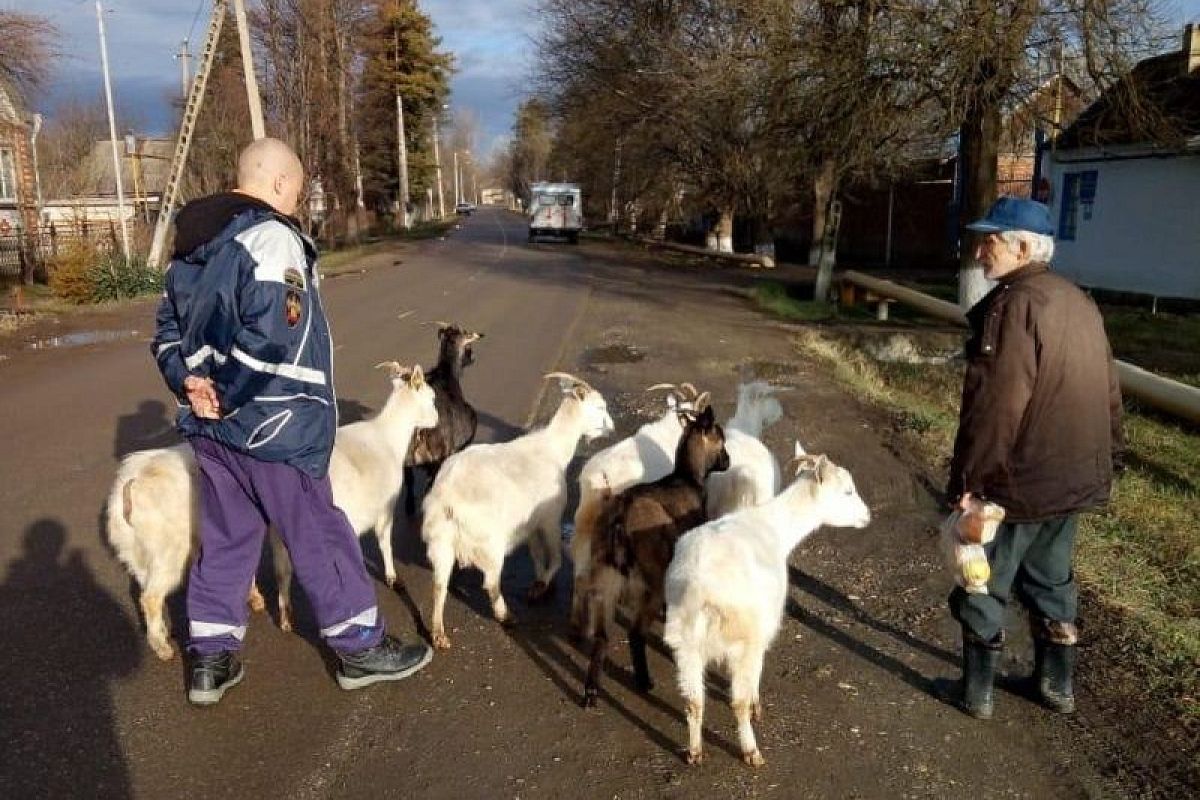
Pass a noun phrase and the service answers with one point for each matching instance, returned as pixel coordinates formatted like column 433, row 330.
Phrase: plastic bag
column 963, row 535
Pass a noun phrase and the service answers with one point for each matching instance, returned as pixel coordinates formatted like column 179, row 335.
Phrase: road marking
column 567, row 339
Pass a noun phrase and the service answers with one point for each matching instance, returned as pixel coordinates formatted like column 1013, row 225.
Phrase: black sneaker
column 213, row 675
column 390, row 660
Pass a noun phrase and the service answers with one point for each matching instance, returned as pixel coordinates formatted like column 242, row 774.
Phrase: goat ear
column 799, row 451
column 706, row 417
column 416, row 378
column 820, row 466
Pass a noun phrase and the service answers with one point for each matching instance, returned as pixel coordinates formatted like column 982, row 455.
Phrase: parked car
column 464, row 208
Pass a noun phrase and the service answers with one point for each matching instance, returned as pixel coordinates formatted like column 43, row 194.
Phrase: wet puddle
column 80, row 339
column 614, row 354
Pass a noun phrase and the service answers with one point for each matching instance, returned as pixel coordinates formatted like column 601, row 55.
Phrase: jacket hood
column 201, row 221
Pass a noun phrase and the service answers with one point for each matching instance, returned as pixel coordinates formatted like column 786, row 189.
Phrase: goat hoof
column 694, row 757
column 645, row 686
column 285, row 624
column 589, row 699
column 509, row 621
column 756, row 712
column 256, row 602
column 441, row 641
column 754, row 758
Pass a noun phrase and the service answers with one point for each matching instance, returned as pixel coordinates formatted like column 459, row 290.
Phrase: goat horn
column 659, row 386
column 568, row 376
column 688, row 387
column 405, row 314
column 393, row 367
column 702, row 401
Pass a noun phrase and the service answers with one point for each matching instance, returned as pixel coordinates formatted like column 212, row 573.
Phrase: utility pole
column 184, row 56
column 437, row 163
column 401, row 145
column 612, row 204
column 112, row 132
column 252, row 96
column 457, row 191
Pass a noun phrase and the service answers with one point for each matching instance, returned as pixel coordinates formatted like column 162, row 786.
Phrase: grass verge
column 1140, row 556
column 774, row 297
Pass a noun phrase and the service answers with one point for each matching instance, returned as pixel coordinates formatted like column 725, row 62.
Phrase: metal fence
column 30, row 251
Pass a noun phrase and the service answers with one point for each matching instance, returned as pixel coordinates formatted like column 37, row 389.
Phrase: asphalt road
column 87, row 711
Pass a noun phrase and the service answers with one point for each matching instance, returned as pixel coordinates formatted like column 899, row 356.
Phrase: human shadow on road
column 66, row 640
column 832, row 597
column 145, row 429
column 886, row 662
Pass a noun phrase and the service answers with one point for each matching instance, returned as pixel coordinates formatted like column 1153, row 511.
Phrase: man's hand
column 202, row 396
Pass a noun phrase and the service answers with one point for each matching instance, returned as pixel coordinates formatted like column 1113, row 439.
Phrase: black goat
column 456, row 418
column 637, row 534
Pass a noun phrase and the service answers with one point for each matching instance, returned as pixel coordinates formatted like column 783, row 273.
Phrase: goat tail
column 687, row 625
column 119, row 512
column 440, row 522
column 620, row 545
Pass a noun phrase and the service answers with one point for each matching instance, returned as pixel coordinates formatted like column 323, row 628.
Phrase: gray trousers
column 1031, row 560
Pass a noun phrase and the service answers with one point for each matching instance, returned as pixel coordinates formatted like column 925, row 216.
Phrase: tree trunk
column 822, row 192
column 724, row 232
column 979, row 147
column 828, row 258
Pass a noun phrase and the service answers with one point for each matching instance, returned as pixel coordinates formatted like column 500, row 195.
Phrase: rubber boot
column 1053, row 667
column 979, row 676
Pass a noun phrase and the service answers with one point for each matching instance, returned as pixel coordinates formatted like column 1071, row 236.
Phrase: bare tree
column 28, row 50
column 65, row 147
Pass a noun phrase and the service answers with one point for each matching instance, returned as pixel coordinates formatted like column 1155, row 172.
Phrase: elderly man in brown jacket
column 1039, row 427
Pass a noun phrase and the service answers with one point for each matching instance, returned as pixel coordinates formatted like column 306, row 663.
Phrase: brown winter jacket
column 1041, row 408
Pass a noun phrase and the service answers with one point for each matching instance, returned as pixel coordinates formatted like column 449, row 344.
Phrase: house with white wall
column 1125, row 182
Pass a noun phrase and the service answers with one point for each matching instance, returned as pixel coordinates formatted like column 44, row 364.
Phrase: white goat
column 728, row 582
column 152, row 507
column 753, row 475
column 489, row 498
column 644, row 457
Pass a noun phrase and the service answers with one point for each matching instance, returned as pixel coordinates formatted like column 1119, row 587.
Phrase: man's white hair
column 1040, row 246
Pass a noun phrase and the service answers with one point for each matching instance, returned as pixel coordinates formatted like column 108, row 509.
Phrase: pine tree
column 400, row 53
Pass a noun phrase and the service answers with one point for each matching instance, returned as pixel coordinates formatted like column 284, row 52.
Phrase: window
column 1079, row 193
column 566, row 200
column 8, row 175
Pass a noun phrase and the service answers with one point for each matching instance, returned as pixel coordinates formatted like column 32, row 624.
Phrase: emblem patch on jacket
column 293, row 305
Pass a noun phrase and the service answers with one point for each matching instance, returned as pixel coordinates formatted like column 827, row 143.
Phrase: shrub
column 82, row 275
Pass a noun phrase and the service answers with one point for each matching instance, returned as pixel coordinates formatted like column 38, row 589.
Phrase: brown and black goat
column 637, row 535
column 457, row 419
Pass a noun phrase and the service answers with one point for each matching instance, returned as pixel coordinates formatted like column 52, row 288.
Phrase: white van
column 555, row 209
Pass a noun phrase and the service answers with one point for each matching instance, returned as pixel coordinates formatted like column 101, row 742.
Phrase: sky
column 490, row 40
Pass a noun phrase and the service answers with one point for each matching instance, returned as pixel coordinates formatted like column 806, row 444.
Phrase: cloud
column 490, row 39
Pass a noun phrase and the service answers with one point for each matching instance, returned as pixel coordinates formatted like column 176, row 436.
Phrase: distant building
column 1125, row 186
column 18, row 180
column 145, row 165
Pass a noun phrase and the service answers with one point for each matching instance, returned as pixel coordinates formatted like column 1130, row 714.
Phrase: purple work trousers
column 239, row 497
